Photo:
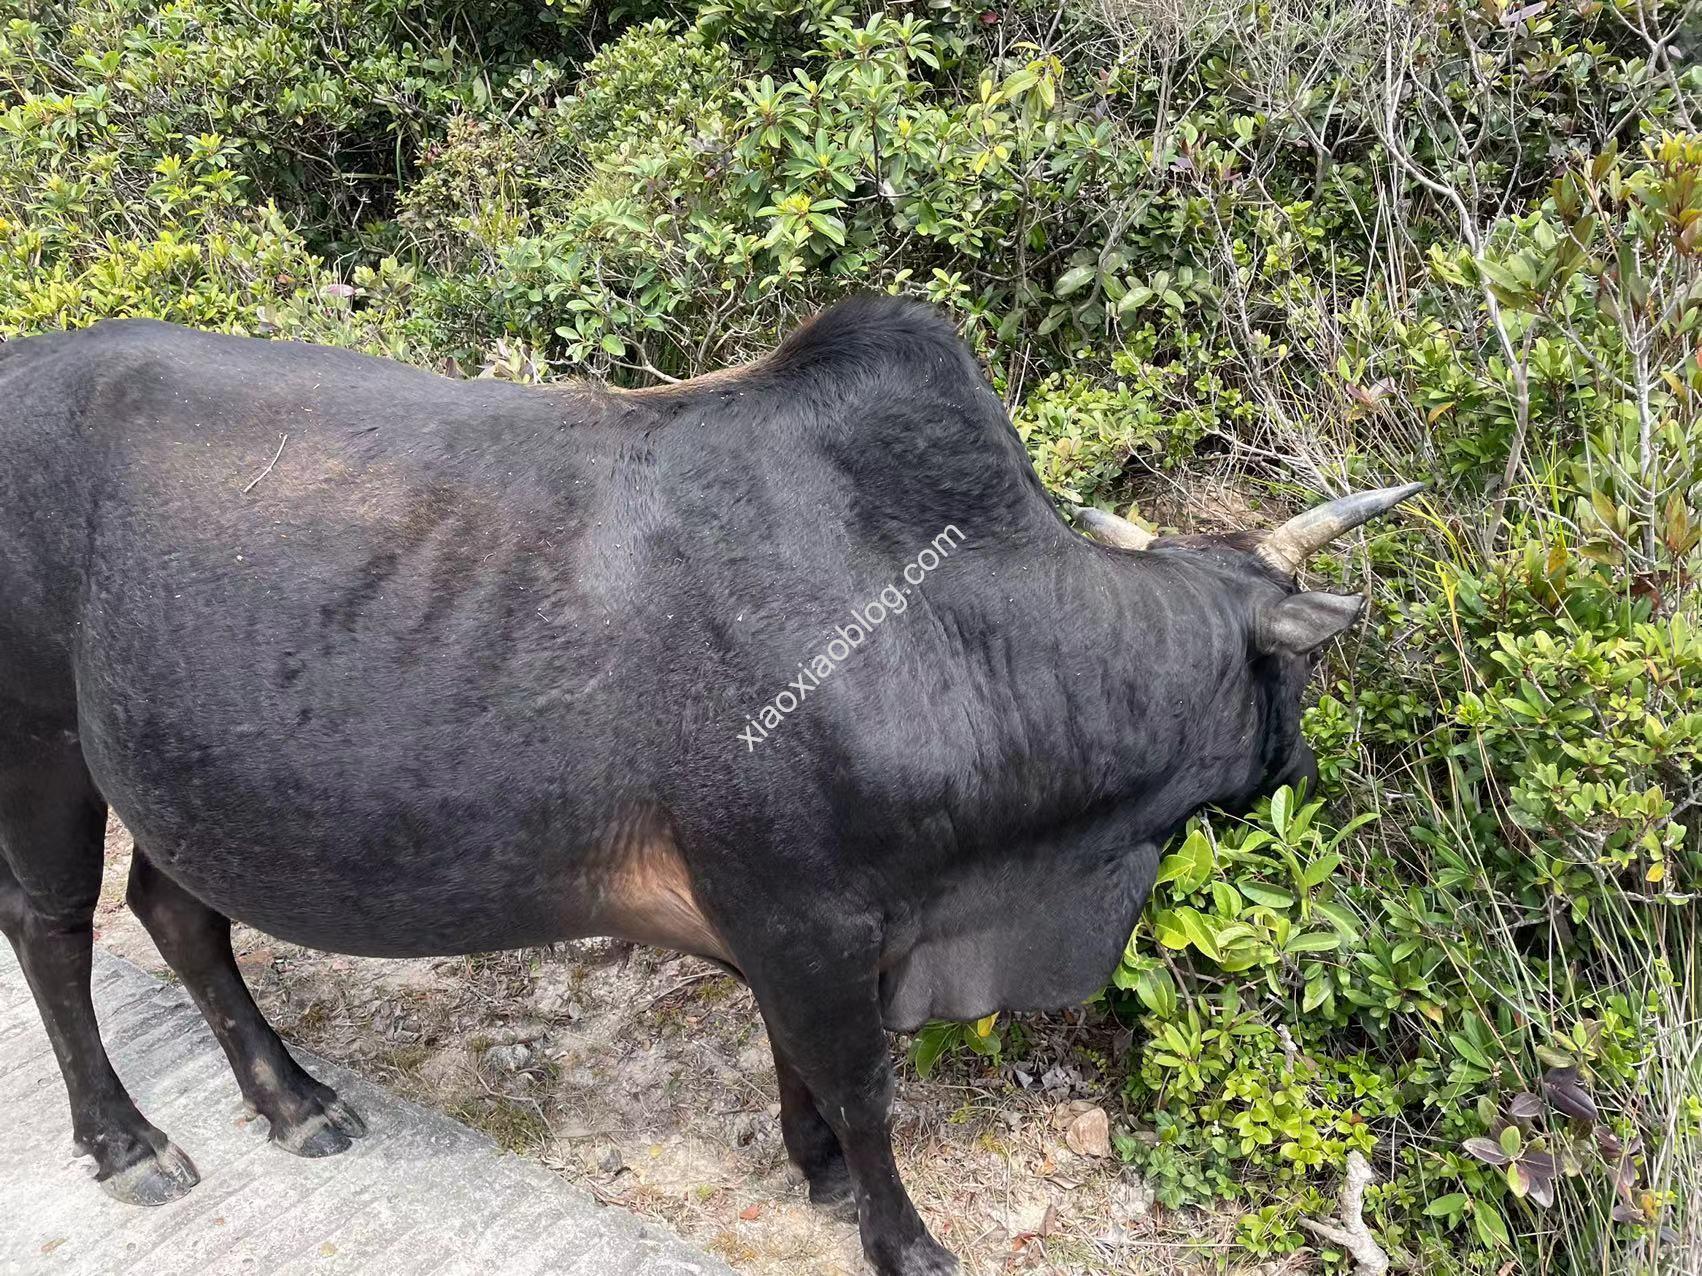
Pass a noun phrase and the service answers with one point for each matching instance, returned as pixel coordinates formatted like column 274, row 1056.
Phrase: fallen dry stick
column 1351, row 1233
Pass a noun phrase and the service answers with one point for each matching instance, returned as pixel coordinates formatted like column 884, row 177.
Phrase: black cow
column 390, row 664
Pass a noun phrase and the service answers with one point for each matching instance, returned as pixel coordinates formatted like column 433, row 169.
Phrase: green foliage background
column 1248, row 252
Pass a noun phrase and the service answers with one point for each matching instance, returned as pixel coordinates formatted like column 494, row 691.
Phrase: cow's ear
column 1302, row 623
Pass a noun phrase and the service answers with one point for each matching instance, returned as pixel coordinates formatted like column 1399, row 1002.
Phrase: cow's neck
column 1149, row 703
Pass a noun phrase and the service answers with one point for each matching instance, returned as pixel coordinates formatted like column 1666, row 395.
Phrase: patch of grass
column 719, row 989
column 404, row 1061
column 734, row 1248
column 516, row 1127
column 313, row 1020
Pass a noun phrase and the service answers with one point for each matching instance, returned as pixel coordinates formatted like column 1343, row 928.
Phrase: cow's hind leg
column 824, row 1021
column 306, row 1117
column 812, row 1144
column 52, row 835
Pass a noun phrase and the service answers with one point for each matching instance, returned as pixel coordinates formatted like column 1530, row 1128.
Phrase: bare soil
column 645, row 1077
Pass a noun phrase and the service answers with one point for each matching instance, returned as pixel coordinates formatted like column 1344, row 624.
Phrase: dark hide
column 467, row 668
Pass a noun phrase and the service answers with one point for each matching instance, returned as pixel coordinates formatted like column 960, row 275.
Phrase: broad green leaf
column 1174, row 868
column 1317, row 993
column 1136, row 296
column 1442, row 1206
column 1157, row 991
column 1470, row 1051
column 1073, row 280
column 1269, row 896
column 1280, row 803
column 1340, row 917
column 1167, row 929
column 1315, row 941
column 1226, row 899
column 1491, row 1227
column 1320, row 869
column 930, row 1043
column 1518, row 1182
column 1199, row 930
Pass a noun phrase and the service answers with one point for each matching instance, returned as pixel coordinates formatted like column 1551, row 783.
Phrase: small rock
column 552, row 1004
column 524, row 1033
column 1027, row 1218
column 445, row 1069
column 1131, row 1197
column 750, row 1212
column 1090, row 1134
column 510, row 1058
column 611, row 1162
column 755, row 1057
column 1065, row 1114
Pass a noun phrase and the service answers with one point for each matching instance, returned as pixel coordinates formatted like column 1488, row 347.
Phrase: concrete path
column 419, row 1194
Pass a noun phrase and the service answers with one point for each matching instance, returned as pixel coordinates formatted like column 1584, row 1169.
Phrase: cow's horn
column 1112, row 530
column 1289, row 546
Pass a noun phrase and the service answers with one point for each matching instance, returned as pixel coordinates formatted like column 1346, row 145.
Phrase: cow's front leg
column 825, row 1024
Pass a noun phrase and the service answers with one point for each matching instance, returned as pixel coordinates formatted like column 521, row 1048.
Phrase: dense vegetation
column 1241, row 252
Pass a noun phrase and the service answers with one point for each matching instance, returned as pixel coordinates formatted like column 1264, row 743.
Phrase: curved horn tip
column 1402, row 491
column 1287, row 547
column 1109, row 529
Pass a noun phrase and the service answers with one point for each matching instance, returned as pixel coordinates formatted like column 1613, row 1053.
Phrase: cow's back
column 136, row 446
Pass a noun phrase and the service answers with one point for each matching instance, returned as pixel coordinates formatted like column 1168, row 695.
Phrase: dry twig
column 282, row 439
column 1351, row 1233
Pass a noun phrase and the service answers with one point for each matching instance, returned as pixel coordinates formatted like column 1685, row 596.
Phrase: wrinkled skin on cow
column 391, row 664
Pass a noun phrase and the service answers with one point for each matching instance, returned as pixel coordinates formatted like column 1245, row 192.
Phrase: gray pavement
column 420, row 1194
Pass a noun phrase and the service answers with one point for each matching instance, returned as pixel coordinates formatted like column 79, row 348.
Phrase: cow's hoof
column 324, row 1130
column 831, row 1192
column 164, row 1174
column 921, row 1257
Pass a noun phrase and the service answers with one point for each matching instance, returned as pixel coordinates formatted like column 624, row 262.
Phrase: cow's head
column 1286, row 626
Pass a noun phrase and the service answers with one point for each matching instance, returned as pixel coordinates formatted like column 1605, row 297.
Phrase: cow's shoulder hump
column 873, row 337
